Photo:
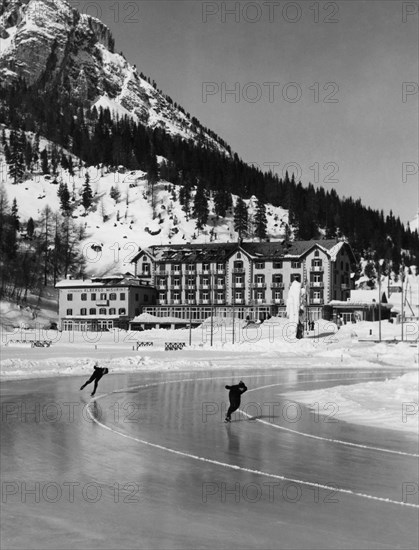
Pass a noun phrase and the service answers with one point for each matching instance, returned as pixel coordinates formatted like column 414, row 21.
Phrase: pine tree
column 30, row 227
column 153, row 178
column 15, row 215
column 200, row 207
column 28, row 155
column 260, row 221
column 241, row 218
column 87, row 195
column 222, row 202
column 64, row 196
column 16, row 158
column 44, row 162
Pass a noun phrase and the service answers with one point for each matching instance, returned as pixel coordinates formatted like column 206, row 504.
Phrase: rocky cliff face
column 49, row 41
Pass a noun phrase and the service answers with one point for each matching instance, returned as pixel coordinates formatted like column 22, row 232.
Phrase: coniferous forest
column 96, row 138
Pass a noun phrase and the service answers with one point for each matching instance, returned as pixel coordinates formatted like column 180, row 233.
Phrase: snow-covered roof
column 148, row 318
column 368, row 296
column 100, row 282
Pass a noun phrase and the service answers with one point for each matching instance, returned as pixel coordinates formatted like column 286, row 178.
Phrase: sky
column 327, row 90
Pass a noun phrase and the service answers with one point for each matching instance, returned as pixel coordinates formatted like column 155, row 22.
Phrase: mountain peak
column 50, row 44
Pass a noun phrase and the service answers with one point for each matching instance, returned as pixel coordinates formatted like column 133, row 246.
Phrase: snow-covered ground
column 271, row 345
column 390, row 404
column 123, row 225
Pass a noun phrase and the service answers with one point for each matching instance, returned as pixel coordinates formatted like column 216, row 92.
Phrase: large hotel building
column 193, row 281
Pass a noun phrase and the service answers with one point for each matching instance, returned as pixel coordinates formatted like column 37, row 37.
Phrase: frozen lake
column 151, row 464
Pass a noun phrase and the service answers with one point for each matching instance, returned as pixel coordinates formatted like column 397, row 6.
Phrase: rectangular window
column 84, row 297
column 93, row 296
column 145, row 297
column 260, row 265
column 69, row 297
column 83, row 311
column 220, row 267
column 122, row 296
column 295, row 265
column 137, row 297
column 277, row 265
column 69, row 312
column 103, row 296
column 112, row 296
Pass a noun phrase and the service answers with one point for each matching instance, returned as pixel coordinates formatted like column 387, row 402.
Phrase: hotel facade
column 245, row 279
column 102, row 303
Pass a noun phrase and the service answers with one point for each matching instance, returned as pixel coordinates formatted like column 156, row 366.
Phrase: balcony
column 162, row 286
column 206, row 302
column 191, row 301
column 162, row 302
column 277, row 285
column 257, row 302
column 190, row 286
column 220, row 301
column 219, row 286
column 238, row 285
column 205, row 271
column 316, row 301
column 318, row 268
column 175, row 302
column 204, row 286
column 238, row 270
column 316, row 284
column 278, row 301
column 175, row 287
column 239, row 301
column 143, row 274
column 220, row 271
column 258, row 285
column 175, row 272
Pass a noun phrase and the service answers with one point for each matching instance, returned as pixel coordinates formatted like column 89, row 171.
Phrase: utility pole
column 190, row 326
column 402, row 306
column 233, row 324
column 212, row 322
column 380, row 263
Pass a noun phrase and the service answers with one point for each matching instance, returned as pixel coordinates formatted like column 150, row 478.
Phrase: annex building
column 102, row 303
column 194, row 281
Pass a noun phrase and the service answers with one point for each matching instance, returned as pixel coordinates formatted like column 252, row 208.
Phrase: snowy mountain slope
column 73, row 52
column 120, row 227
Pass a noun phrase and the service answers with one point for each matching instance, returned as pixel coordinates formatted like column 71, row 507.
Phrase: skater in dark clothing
column 234, row 396
column 98, row 372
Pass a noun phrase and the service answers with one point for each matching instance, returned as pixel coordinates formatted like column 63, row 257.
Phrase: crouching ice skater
column 234, row 396
column 98, row 372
